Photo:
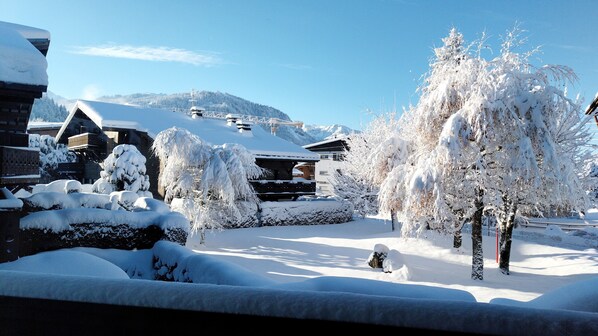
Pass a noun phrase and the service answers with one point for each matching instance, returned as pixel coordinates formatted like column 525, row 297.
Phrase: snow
column 61, row 220
column 215, row 131
column 148, row 203
column 8, row 200
column 20, row 61
column 79, row 263
column 320, row 271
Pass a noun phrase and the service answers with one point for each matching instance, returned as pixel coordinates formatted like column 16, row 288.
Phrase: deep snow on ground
column 541, row 259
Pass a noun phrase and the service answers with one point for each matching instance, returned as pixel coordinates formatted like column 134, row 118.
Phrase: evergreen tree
column 124, row 169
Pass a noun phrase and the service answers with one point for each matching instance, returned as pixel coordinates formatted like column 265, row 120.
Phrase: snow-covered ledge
column 8, row 201
column 426, row 314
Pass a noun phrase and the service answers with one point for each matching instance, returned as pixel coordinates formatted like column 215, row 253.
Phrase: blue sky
column 321, row 62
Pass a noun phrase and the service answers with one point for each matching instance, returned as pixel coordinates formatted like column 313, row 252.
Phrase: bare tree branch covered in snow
column 124, row 170
column 213, row 179
column 360, row 180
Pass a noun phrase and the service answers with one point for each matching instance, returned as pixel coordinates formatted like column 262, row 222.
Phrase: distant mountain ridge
column 211, row 101
column 328, row 132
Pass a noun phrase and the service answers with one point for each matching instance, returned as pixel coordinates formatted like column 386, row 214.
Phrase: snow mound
column 579, row 296
column 375, row 287
column 393, row 262
column 148, row 203
column 66, row 262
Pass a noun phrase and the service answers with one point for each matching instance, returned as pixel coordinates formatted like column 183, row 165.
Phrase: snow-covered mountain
column 327, row 132
column 211, row 101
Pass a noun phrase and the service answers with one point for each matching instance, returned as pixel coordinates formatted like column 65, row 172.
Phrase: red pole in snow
column 497, row 244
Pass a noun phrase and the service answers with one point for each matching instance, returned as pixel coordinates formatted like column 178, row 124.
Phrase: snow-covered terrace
column 216, row 131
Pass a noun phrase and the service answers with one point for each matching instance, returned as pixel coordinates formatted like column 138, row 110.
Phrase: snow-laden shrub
column 50, row 153
column 60, row 186
column 124, row 169
column 123, row 199
column 213, row 180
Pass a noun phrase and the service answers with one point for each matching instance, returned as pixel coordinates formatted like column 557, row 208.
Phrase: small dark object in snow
column 375, row 259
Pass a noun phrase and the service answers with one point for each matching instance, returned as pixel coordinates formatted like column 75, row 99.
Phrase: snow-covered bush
column 123, row 199
column 124, row 169
column 50, row 153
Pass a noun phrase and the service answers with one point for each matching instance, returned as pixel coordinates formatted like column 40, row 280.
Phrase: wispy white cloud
column 294, row 66
column 158, row 54
column 569, row 47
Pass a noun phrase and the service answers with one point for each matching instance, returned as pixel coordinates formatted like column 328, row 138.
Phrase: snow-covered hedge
column 247, row 217
column 121, row 220
column 179, row 264
column 305, row 212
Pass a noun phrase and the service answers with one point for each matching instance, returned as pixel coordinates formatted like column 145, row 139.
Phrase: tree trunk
column 477, row 262
column 457, row 237
column 506, row 234
column 393, row 219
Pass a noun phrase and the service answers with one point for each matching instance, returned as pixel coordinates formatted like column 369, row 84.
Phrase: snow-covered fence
column 305, row 212
column 564, row 224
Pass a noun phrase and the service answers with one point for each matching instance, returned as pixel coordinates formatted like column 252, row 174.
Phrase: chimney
column 244, row 126
column 196, row 112
column 231, row 119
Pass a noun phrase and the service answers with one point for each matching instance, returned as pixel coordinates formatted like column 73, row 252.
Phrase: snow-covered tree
column 50, row 153
column 495, row 136
column 215, row 178
column 355, row 190
column 411, row 186
column 124, row 170
column 543, row 148
column 360, row 179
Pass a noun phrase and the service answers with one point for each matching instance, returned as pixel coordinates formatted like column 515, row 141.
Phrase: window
column 323, row 172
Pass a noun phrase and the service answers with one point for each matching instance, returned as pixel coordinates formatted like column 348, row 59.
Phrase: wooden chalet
column 93, row 129
column 23, row 78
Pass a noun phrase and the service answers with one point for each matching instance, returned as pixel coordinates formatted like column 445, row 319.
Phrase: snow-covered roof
column 27, row 31
column 327, row 141
column 43, row 124
column 215, row 131
column 20, row 61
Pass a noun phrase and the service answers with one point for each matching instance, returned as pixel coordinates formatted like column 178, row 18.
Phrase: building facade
column 331, row 153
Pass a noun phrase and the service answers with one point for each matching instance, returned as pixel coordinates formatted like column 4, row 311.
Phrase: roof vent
column 196, row 112
column 243, row 126
column 231, row 119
